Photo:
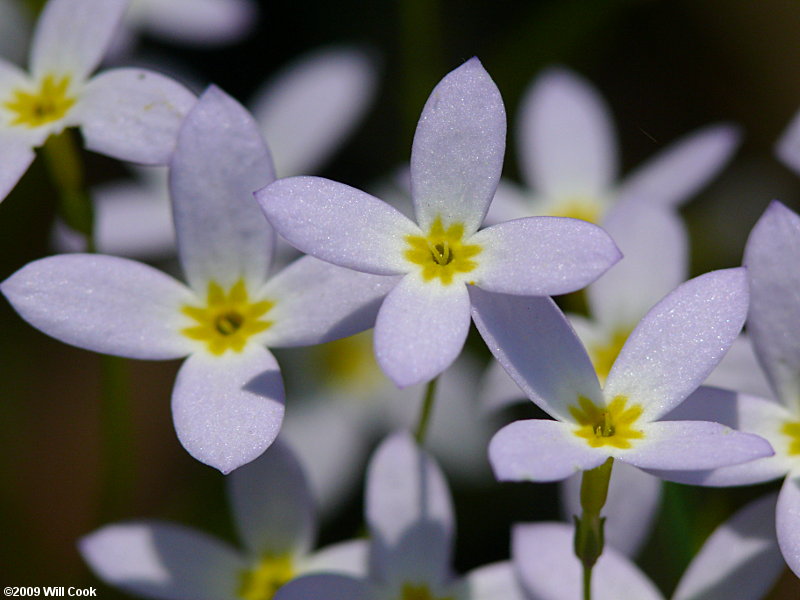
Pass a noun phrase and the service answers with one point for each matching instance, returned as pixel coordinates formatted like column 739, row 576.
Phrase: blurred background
column 664, row 68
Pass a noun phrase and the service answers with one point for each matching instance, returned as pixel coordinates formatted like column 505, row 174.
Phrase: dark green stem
column 425, row 411
column 589, row 528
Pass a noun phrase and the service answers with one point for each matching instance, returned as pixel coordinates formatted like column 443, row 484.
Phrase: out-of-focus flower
column 739, row 560
column 227, row 402
column 275, row 518
column 15, row 30
column 130, row 114
column 568, row 158
column 456, row 161
column 771, row 257
column 666, row 357
column 410, row 515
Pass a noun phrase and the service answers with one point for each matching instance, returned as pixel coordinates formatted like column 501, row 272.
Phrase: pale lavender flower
column 130, row 114
column 275, row 519
column 568, row 158
column 665, row 358
column 410, row 515
column 456, row 161
column 227, row 403
column 771, row 256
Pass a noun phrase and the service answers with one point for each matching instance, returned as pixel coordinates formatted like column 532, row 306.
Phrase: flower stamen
column 610, row 425
column 441, row 254
column 47, row 104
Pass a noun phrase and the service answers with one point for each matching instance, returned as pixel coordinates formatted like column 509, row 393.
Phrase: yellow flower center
column 267, row 577
column 47, row 104
column 611, row 425
column 603, row 355
column 441, row 253
column 792, row 429
column 227, row 320
column 578, row 207
column 419, row 592
column 349, row 364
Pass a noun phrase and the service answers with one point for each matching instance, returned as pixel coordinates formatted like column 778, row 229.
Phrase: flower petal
column 103, row 303
column 421, row 329
column 219, row 161
column 679, row 342
column 329, row 587
column 348, row 558
column 133, row 115
column 679, row 171
column 71, row 36
column 498, row 389
column 15, row 31
column 409, row 513
column 549, row 570
column 567, row 145
column 533, row 341
column 542, row 256
column 458, row 149
column 655, row 248
column 771, row 256
column 228, row 409
column 311, row 106
column 693, row 445
column 787, row 522
column 16, row 155
column 494, row 581
column 272, row 505
column 316, row 302
column 510, row 202
column 201, row 22
column 338, row 223
column 741, row 559
column 630, row 509
column 540, row 450
column 739, row 369
column 162, row 560
column 788, row 146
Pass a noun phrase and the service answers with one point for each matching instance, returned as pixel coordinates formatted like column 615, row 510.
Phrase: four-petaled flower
column 456, row 161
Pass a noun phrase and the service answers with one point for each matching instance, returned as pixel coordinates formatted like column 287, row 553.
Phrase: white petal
column 498, row 389
column 272, row 505
column 493, row 582
column 71, row 36
column 311, row 106
column 510, row 202
column 740, row 371
column 162, row 560
column 679, row 171
column 633, row 501
column 348, row 558
column 421, row 329
column 549, row 570
column 228, row 409
column 15, row 30
column 541, row 450
column 740, row 560
column 201, row 22
column 787, row 521
column 409, row 512
column 655, row 261
column 679, row 342
column 329, row 587
column 316, row 302
column 103, row 303
column 771, row 257
column 339, row 224
column 788, row 146
column 16, row 155
column 133, row 115
column 533, row 341
column 458, row 149
column 542, row 256
column 566, row 142
column 219, row 161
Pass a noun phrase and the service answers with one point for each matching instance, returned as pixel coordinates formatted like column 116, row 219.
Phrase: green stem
column 589, row 528
column 425, row 411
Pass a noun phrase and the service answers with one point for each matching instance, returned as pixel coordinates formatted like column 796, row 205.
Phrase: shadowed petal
column 348, row 558
column 329, row 587
column 787, row 521
column 493, row 582
column 201, row 22
column 16, row 155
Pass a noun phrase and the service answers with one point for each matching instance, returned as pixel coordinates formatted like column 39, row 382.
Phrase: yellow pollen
column 419, row 592
column 603, row 355
column 441, row 253
column 266, row 578
column 611, row 425
column 577, row 207
column 47, row 104
column 227, row 320
column 792, row 429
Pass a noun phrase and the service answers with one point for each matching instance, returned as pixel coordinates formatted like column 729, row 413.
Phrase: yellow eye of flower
column 266, row 578
column 419, row 592
column 792, row 429
column 49, row 103
column 578, row 207
column 611, row 425
column 441, row 254
column 604, row 355
column 227, row 320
